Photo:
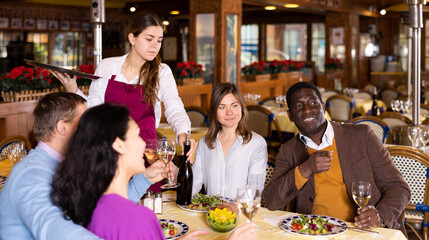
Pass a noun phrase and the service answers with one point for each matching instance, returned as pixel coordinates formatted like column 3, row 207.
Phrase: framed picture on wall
column 16, row 23
column 4, row 22
column 53, row 25
column 29, row 24
column 65, row 25
column 337, row 37
column 42, row 24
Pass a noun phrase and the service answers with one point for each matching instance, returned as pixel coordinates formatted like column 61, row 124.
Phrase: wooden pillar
column 221, row 9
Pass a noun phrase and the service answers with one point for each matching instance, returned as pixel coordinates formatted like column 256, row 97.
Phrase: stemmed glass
column 361, row 193
column 424, row 136
column 413, row 134
column 167, row 149
column 151, row 150
column 249, row 200
column 17, row 152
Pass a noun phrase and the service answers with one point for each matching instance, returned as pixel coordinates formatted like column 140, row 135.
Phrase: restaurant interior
column 370, row 63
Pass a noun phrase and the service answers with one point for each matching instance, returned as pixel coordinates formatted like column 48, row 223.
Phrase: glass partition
column 231, row 48
column 205, row 44
column 249, row 44
column 287, row 41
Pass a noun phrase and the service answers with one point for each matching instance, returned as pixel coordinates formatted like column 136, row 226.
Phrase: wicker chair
column 327, row 94
column 268, row 102
column 269, row 172
column 394, row 119
column 380, row 128
column 198, row 116
column 413, row 164
column 261, row 121
column 370, row 87
column 363, row 94
column 340, row 108
column 387, row 95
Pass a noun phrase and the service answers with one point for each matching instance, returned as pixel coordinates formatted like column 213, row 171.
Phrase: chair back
column 271, row 163
column 387, row 95
column 394, row 119
column 269, row 102
column 198, row 116
column 261, row 121
column 363, row 94
column 413, row 165
column 370, row 87
column 340, row 108
column 327, row 94
column 380, row 128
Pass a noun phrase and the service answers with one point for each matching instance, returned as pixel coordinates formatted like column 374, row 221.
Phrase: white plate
column 336, row 230
column 185, row 207
column 182, row 228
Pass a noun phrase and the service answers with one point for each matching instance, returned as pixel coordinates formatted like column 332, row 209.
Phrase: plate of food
column 173, row 229
column 60, row 69
column 202, row 203
column 314, row 225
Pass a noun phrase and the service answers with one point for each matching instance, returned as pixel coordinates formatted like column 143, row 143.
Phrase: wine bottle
column 185, row 177
column 374, row 108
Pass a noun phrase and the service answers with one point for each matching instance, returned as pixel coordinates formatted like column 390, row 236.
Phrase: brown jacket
column 362, row 156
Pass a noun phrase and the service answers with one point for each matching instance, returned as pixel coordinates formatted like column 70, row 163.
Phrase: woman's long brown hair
column 149, row 72
column 219, row 91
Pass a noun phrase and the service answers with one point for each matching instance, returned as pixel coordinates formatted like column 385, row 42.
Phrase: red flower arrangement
column 86, row 69
column 333, row 63
column 27, row 78
column 256, row 68
column 188, row 70
column 277, row 66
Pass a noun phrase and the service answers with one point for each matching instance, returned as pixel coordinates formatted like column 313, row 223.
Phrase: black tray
column 60, row 69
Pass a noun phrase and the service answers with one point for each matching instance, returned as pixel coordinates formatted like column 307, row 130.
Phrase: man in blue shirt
column 26, row 211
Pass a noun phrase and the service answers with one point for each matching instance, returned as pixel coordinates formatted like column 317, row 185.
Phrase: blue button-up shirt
column 26, row 210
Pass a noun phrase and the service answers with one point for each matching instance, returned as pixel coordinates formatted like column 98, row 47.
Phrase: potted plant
column 188, row 73
column 257, row 71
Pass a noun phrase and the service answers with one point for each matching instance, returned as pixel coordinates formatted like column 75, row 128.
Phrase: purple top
column 117, row 218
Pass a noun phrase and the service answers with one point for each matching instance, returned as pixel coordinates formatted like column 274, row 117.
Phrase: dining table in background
column 363, row 106
column 5, row 168
column 267, row 223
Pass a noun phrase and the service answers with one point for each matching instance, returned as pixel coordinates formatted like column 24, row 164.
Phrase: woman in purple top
column 91, row 184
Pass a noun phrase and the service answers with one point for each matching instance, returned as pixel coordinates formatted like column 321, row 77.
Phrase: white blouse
column 243, row 165
column 167, row 92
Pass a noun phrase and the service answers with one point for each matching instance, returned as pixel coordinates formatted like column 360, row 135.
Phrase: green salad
column 203, row 202
column 313, row 226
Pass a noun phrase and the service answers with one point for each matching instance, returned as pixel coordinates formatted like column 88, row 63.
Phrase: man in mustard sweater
column 315, row 169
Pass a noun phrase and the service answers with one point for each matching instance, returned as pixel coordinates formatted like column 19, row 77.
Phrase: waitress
column 139, row 81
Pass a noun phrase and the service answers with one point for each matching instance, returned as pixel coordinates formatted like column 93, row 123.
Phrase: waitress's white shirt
column 167, row 92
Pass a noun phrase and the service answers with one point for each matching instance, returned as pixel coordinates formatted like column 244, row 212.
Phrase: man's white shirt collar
column 327, row 139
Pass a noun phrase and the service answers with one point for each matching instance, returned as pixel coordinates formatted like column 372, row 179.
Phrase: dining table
column 5, row 168
column 363, row 106
column 267, row 223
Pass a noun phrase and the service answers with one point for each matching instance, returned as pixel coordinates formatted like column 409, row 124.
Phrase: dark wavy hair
column 150, row 69
column 220, row 91
column 90, row 162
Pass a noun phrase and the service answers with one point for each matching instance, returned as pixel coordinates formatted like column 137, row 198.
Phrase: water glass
column 424, row 136
column 413, row 134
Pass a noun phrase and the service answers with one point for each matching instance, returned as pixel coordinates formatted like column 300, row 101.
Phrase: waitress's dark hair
column 90, row 162
column 149, row 72
column 220, row 91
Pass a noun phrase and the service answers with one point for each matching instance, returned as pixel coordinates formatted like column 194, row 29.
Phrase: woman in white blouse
column 230, row 155
column 139, row 81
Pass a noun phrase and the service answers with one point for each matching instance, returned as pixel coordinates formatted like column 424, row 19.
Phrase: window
column 286, row 41
column 249, row 44
column 318, row 46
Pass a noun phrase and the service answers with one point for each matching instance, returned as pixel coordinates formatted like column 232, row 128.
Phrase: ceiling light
column 270, row 8
column 175, row 12
column 291, row 5
column 132, row 9
column 166, row 23
column 383, row 12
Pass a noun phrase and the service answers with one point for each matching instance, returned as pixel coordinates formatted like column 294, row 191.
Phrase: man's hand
column 318, row 162
column 368, row 216
column 182, row 139
column 69, row 83
column 158, row 171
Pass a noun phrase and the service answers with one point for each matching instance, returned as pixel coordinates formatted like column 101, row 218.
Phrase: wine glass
column 361, row 193
column 249, row 200
column 413, row 134
column 151, row 150
column 167, row 149
column 424, row 136
column 17, row 152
